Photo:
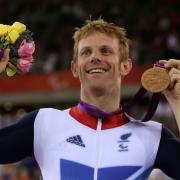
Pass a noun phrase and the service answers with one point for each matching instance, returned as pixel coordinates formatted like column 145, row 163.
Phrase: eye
column 85, row 52
column 106, row 50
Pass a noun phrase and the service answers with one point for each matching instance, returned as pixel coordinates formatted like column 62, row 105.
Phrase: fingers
column 173, row 67
column 162, row 61
column 171, row 63
column 4, row 60
column 174, row 77
column 6, row 55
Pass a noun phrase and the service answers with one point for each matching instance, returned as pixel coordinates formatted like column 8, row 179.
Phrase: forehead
column 98, row 39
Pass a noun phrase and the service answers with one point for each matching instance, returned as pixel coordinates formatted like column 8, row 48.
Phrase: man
column 92, row 140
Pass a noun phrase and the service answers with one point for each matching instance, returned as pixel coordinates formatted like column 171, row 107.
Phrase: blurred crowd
column 24, row 170
column 152, row 26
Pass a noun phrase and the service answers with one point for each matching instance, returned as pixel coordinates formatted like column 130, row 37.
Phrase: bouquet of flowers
column 20, row 42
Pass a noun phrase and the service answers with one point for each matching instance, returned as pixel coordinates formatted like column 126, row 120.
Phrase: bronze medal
column 155, row 79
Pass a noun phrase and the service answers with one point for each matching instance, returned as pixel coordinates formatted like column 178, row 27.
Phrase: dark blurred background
column 153, row 28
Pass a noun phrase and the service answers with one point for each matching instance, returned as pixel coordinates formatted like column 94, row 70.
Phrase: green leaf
column 10, row 72
column 4, row 42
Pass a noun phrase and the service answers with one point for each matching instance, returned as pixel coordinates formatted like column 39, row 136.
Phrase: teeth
column 97, row 71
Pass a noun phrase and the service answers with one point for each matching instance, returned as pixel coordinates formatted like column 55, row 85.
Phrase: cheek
column 82, row 64
column 81, row 68
column 117, row 65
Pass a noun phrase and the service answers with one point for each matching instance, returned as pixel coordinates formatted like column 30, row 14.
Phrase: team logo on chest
column 76, row 140
column 124, row 142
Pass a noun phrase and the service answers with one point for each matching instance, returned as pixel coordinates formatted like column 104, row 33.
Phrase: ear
column 125, row 67
column 74, row 69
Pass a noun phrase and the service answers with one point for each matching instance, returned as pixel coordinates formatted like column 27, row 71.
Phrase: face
column 98, row 63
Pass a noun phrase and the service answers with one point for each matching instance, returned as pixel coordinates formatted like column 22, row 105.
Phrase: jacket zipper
column 99, row 125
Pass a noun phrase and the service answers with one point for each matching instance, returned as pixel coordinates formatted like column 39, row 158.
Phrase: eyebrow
column 106, row 46
column 85, row 47
column 102, row 46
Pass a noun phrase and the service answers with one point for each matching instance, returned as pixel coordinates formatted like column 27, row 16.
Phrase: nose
column 95, row 57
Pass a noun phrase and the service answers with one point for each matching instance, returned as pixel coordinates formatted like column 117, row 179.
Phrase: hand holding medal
column 16, row 48
column 173, row 91
column 156, row 79
column 164, row 77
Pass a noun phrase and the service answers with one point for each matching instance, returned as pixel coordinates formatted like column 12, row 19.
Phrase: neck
column 105, row 101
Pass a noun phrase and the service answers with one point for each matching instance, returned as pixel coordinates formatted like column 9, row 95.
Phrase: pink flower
column 25, row 53
column 26, row 49
column 25, row 63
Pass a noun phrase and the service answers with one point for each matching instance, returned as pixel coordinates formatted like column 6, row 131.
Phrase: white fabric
column 103, row 149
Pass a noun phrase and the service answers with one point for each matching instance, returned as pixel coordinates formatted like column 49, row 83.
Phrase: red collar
column 113, row 121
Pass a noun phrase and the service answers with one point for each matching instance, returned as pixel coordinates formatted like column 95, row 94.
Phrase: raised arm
column 172, row 94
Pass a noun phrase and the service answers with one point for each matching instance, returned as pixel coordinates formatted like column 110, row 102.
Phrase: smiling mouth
column 97, row 70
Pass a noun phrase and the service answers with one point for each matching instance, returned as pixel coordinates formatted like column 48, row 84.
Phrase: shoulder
column 139, row 122
column 144, row 130
column 51, row 113
column 148, row 126
column 52, row 110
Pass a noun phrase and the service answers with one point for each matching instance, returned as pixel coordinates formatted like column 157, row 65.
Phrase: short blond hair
column 105, row 27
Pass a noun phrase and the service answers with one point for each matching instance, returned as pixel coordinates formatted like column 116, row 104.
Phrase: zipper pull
column 99, row 124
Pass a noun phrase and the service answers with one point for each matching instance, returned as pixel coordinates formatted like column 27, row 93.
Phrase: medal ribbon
column 139, row 95
column 95, row 112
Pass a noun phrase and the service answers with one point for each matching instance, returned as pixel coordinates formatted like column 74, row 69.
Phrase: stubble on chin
column 98, row 91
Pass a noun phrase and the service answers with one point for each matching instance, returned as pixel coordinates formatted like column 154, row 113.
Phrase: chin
column 98, row 89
